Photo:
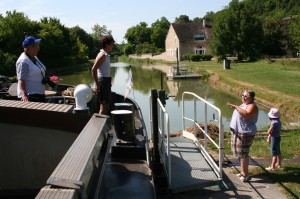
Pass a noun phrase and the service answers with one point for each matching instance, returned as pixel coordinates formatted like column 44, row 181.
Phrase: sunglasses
column 245, row 96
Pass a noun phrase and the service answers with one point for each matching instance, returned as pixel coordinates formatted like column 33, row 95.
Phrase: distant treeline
column 248, row 29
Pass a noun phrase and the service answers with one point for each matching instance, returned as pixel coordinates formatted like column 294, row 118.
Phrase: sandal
column 245, row 179
column 270, row 169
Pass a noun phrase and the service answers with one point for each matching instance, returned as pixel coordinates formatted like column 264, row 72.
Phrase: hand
column 231, row 105
column 24, row 97
column 268, row 139
column 97, row 89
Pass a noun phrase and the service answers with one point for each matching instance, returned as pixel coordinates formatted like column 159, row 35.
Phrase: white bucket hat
column 274, row 113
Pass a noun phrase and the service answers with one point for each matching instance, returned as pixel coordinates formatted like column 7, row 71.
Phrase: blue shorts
column 275, row 146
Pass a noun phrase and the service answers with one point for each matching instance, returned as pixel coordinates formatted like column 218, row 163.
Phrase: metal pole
column 162, row 97
column 161, row 82
column 155, row 125
column 177, row 73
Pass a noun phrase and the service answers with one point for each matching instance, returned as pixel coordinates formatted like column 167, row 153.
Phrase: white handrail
column 164, row 139
column 220, row 147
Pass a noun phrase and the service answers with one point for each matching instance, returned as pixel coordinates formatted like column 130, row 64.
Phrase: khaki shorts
column 240, row 144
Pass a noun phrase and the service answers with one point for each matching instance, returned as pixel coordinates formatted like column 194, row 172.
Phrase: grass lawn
column 278, row 83
column 276, row 76
column 288, row 177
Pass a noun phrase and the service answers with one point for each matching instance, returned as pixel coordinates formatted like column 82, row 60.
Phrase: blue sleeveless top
column 242, row 125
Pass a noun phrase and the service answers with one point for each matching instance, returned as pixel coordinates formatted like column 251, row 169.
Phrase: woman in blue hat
column 31, row 72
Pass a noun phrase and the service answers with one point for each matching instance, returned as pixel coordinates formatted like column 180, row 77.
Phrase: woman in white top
column 30, row 72
column 101, row 73
column 243, row 130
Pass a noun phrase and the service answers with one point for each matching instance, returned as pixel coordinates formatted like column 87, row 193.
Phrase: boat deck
column 125, row 178
column 17, row 104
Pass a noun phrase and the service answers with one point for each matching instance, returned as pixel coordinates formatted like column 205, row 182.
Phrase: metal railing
column 164, row 135
column 164, row 139
column 203, row 147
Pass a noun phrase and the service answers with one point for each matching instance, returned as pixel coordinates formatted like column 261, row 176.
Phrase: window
column 199, row 51
column 199, row 37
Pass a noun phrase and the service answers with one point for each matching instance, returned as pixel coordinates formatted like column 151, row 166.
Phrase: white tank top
column 104, row 69
column 242, row 125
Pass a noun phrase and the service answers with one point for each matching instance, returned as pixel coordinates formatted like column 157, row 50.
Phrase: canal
column 147, row 77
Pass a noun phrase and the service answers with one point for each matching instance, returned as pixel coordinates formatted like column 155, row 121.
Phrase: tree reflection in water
column 146, row 78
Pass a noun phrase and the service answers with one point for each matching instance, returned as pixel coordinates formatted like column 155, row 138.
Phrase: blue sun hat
column 30, row 40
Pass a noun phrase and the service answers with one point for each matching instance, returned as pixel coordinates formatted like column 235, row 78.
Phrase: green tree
column 128, row 49
column 272, row 43
column 56, row 43
column 221, row 43
column 236, row 31
column 12, row 29
column 7, row 63
column 182, row 19
column 250, row 35
column 145, row 48
column 82, row 52
column 85, row 38
column 98, row 31
column 209, row 16
column 197, row 19
column 294, row 33
column 160, row 30
column 138, row 34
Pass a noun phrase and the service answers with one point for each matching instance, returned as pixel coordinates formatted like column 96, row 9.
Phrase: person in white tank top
column 101, row 73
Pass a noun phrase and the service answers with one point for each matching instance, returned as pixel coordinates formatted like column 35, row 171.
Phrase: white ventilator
column 83, row 94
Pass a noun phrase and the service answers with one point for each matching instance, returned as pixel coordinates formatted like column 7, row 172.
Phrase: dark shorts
column 36, row 98
column 240, row 144
column 275, row 146
column 105, row 89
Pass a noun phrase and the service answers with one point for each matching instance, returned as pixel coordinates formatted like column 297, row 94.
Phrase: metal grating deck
column 190, row 169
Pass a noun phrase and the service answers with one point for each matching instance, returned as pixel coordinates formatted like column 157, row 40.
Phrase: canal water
column 148, row 77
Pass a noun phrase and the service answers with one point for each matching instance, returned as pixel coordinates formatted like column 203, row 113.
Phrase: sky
column 116, row 15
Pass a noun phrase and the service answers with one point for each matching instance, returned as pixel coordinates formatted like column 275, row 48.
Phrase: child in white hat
column 274, row 139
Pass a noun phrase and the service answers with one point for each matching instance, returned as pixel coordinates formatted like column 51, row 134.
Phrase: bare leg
column 244, row 166
column 274, row 160
column 104, row 108
column 278, row 162
column 101, row 109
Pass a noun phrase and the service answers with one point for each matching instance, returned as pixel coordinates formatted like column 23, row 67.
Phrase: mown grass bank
column 276, row 84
